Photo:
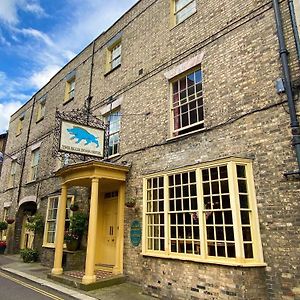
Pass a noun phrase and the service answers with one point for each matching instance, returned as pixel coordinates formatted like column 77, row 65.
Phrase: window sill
column 30, row 182
column 110, row 71
column 208, row 261
column 186, row 134
column 67, row 101
column 48, row 246
column 113, row 156
column 39, row 120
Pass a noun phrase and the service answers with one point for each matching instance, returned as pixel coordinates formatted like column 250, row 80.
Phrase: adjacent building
column 192, row 109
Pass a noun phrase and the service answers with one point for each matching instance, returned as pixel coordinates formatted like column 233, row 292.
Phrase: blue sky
column 38, row 37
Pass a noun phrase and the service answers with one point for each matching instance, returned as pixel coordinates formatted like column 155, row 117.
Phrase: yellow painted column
column 118, row 269
column 59, row 237
column 90, row 276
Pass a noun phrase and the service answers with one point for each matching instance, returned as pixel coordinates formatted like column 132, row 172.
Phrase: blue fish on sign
column 82, row 135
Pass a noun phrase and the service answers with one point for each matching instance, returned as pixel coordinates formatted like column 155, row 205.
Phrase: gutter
column 283, row 52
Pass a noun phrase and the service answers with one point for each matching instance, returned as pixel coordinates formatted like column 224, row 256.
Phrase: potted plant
column 76, row 230
column 10, row 220
column 130, row 203
column 29, row 255
column 2, row 247
column 72, row 241
column 35, row 223
column 74, row 207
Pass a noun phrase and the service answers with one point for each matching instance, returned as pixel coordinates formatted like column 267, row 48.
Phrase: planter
column 74, row 207
column 10, row 220
column 72, row 245
column 130, row 204
column 2, row 250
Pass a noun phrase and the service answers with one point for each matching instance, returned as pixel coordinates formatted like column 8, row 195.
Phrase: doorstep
column 73, row 279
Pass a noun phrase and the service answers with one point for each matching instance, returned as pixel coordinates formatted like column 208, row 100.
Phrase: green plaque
column 135, row 233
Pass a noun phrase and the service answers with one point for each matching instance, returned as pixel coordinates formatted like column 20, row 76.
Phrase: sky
column 38, row 37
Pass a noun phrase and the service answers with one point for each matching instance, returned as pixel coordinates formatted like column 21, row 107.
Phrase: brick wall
column 244, row 117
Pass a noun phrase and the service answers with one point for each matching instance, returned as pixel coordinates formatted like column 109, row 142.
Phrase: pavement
column 37, row 273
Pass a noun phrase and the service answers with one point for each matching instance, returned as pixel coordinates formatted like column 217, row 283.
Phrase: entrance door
column 27, row 236
column 110, row 214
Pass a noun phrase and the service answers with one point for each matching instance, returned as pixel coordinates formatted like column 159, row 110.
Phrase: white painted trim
column 183, row 67
column 36, row 146
column 111, row 106
column 27, row 199
column 7, row 204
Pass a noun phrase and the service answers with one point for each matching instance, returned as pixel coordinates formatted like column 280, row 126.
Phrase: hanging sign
column 135, row 233
column 77, row 138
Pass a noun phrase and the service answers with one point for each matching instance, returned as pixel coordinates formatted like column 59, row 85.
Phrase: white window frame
column 114, row 55
column 13, row 171
column 187, row 103
column 182, row 9
column 113, row 133
column 202, row 243
column 34, row 164
column 70, row 89
column 41, row 109
column 70, row 200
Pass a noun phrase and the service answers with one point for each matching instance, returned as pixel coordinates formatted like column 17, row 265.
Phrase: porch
column 104, row 252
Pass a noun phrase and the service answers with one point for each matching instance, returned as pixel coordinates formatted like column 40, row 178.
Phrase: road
column 16, row 288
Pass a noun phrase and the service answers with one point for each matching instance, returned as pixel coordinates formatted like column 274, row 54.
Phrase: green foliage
column 35, row 224
column 3, row 226
column 78, row 223
column 29, row 255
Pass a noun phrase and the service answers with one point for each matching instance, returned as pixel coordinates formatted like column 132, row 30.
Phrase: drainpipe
column 294, row 26
column 288, row 86
column 25, row 151
column 89, row 99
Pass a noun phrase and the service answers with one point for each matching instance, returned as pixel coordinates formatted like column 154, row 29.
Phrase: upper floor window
column 183, row 9
column 114, row 121
column 13, row 170
column 41, row 105
column 70, row 87
column 206, row 213
column 51, row 219
column 187, row 110
column 35, row 157
column 20, row 124
column 114, row 55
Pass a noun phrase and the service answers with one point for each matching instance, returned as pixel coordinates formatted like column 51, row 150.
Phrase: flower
column 69, row 236
column 2, row 244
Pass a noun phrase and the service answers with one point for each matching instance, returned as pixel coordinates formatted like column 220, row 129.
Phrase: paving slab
column 37, row 273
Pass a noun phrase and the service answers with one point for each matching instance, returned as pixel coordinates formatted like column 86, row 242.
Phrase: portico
column 106, row 215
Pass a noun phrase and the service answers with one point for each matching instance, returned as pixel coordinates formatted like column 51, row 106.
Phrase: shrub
column 78, row 223
column 29, row 255
column 35, row 224
column 3, row 225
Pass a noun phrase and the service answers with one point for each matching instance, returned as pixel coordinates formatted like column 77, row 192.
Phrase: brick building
column 197, row 106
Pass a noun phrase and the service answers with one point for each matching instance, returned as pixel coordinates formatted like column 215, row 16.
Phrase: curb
column 51, row 285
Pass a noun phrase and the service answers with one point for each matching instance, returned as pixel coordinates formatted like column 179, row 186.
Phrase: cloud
column 31, row 32
column 42, row 51
column 40, row 78
column 6, row 110
column 9, row 10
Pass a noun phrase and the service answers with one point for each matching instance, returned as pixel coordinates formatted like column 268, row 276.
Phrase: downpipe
column 295, row 130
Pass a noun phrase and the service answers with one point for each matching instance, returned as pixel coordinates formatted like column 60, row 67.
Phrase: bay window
column 204, row 213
